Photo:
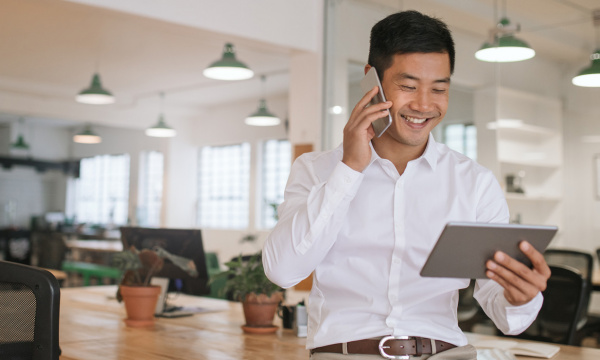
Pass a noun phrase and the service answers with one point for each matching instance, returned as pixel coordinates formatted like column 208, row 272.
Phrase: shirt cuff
column 345, row 179
column 520, row 317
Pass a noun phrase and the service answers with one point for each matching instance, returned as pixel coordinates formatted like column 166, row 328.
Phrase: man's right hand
column 358, row 132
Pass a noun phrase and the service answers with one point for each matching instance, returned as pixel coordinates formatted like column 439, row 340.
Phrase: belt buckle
column 382, row 347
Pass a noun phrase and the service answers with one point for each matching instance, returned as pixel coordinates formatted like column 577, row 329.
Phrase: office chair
column 29, row 313
column 582, row 261
column 564, row 299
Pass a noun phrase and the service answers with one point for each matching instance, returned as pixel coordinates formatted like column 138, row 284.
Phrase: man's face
column 418, row 85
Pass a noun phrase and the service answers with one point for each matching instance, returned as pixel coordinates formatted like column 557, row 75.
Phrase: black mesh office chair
column 582, row 261
column 29, row 311
column 564, row 298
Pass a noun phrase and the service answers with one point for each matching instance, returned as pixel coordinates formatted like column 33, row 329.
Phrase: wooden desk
column 92, row 327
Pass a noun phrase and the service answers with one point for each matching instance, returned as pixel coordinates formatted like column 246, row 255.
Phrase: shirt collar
column 430, row 154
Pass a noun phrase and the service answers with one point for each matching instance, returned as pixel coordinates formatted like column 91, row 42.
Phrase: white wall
column 582, row 207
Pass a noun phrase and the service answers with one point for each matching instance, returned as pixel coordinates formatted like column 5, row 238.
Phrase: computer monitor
column 182, row 242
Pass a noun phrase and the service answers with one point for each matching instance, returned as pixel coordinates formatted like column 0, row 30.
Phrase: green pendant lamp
column 87, row 136
column 505, row 47
column 20, row 144
column 590, row 76
column 228, row 67
column 161, row 129
column 262, row 117
column 95, row 94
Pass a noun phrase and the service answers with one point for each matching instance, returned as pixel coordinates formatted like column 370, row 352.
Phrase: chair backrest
column 564, row 299
column 582, row 261
column 29, row 313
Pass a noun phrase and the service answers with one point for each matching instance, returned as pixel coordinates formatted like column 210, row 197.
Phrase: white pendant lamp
column 228, row 67
column 95, row 94
column 504, row 46
column 87, row 136
column 161, row 129
column 262, row 117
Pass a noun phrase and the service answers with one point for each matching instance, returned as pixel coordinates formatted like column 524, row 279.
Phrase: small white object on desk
column 520, row 348
column 301, row 323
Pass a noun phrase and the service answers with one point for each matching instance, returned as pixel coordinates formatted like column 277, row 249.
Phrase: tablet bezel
column 463, row 248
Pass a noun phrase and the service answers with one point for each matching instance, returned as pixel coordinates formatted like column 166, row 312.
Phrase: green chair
column 89, row 270
column 213, row 268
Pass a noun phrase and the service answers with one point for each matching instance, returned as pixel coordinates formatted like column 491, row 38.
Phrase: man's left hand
column 521, row 284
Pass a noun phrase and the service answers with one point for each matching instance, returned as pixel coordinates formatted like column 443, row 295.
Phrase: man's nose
column 422, row 101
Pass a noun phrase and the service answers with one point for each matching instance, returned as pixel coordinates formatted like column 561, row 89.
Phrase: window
column 462, row 138
column 102, row 190
column 150, row 189
column 224, row 186
column 276, row 162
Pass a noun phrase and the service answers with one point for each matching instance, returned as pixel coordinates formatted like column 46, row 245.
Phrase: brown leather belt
column 392, row 347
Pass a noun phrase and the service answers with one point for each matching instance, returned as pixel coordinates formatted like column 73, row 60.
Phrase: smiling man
column 365, row 216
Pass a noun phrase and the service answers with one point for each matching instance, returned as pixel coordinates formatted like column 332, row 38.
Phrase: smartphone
column 366, row 84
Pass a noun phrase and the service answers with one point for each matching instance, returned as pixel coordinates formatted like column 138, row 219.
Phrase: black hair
column 408, row 32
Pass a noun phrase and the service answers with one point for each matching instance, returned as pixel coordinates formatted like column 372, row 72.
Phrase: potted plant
column 246, row 282
column 135, row 290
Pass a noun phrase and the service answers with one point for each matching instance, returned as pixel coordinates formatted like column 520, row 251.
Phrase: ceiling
column 50, row 48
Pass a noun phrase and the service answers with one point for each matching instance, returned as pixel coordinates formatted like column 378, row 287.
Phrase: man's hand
column 358, row 132
column 521, row 284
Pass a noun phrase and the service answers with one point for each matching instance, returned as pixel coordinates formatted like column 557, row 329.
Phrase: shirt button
column 393, row 298
column 347, row 178
column 396, row 260
column 391, row 323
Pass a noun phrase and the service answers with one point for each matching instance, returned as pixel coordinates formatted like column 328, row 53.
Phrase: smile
column 413, row 119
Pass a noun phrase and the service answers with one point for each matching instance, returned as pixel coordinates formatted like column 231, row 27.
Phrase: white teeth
column 414, row 120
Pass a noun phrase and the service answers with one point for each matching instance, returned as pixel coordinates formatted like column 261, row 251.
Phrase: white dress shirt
column 367, row 235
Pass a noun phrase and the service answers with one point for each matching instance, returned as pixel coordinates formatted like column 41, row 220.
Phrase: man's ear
column 367, row 67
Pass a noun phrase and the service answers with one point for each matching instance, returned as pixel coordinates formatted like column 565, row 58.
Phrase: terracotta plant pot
column 140, row 303
column 259, row 311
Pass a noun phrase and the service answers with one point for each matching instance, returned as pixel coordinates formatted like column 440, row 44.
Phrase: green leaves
column 126, row 260
column 247, row 276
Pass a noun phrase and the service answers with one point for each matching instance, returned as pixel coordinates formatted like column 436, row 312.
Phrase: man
column 365, row 216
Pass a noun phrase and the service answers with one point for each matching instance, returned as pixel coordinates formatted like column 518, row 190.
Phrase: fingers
column 537, row 259
column 363, row 115
column 358, row 131
column 521, row 283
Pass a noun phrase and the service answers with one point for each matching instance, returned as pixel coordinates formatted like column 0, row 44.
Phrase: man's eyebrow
column 408, row 76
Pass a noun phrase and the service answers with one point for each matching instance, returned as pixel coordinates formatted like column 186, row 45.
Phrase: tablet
column 463, row 248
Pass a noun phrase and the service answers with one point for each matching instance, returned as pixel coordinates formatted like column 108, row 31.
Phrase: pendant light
column 87, row 136
column 95, row 94
column 590, row 76
column 262, row 117
column 504, row 46
column 161, row 129
column 228, row 67
column 20, row 144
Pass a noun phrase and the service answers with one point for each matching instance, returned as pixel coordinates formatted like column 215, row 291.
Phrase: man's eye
column 408, row 88
column 439, row 91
